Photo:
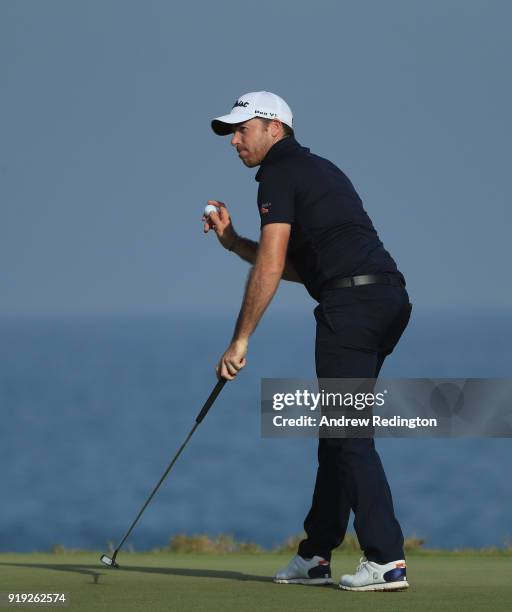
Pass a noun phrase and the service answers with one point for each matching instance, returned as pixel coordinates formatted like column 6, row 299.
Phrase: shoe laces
column 362, row 562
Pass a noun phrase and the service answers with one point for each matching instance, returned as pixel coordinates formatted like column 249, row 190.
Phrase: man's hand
column 221, row 224
column 233, row 360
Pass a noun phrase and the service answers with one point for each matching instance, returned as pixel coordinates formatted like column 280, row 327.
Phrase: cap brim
column 222, row 126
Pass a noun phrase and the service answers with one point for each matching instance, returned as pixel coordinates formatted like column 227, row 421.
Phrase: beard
column 249, row 161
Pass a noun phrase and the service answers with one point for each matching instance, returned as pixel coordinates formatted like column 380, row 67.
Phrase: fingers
column 223, row 214
column 214, row 217
column 222, row 372
column 217, row 220
column 208, row 223
column 228, row 369
column 217, row 225
column 210, row 217
column 231, row 368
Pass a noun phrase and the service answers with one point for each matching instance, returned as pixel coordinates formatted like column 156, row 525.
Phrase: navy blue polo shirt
column 331, row 233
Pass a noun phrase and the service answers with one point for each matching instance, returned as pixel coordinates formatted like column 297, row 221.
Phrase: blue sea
column 93, row 410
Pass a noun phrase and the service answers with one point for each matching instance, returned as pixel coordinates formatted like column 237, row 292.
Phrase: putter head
column 111, row 562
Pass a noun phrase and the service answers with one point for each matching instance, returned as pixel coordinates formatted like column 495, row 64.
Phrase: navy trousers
column 357, row 328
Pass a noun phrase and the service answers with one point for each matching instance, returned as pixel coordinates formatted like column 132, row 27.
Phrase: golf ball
column 209, row 209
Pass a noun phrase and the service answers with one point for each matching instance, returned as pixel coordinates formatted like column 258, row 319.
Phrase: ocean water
column 93, row 410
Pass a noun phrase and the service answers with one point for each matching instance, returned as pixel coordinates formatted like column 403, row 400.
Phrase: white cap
column 254, row 104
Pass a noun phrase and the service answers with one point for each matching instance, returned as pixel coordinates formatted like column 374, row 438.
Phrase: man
column 315, row 231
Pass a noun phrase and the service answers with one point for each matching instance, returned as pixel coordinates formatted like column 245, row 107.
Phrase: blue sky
column 107, row 158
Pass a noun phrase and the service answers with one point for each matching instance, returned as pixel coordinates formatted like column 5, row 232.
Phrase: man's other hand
column 220, row 223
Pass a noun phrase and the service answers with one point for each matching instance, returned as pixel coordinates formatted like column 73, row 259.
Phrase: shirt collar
column 282, row 148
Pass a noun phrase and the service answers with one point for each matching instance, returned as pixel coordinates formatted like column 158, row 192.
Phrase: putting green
column 240, row 582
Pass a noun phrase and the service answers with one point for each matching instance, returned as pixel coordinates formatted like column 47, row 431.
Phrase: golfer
column 315, row 231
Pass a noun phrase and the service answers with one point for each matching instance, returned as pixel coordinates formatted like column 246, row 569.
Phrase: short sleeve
column 276, row 201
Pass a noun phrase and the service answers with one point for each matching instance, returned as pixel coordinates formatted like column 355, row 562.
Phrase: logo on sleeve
column 265, row 208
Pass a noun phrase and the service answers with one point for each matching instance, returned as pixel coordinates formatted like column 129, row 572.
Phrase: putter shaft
column 111, row 561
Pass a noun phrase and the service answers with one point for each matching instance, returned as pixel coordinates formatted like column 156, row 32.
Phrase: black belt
column 397, row 280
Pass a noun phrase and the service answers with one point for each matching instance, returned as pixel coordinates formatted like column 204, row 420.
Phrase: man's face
column 252, row 140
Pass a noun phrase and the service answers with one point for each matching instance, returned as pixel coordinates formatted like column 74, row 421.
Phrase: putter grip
column 213, row 396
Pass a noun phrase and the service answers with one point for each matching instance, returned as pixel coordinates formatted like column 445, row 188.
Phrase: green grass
column 242, row 581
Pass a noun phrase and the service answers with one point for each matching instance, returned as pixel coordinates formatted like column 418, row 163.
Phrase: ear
column 276, row 128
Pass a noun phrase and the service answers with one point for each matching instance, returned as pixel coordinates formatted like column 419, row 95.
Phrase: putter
column 111, row 561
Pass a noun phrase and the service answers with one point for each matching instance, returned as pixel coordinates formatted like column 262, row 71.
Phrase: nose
column 234, row 139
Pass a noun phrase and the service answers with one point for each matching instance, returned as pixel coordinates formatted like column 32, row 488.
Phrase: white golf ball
column 209, row 209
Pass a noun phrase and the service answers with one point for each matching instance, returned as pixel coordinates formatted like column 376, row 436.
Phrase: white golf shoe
column 371, row 576
column 314, row 571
